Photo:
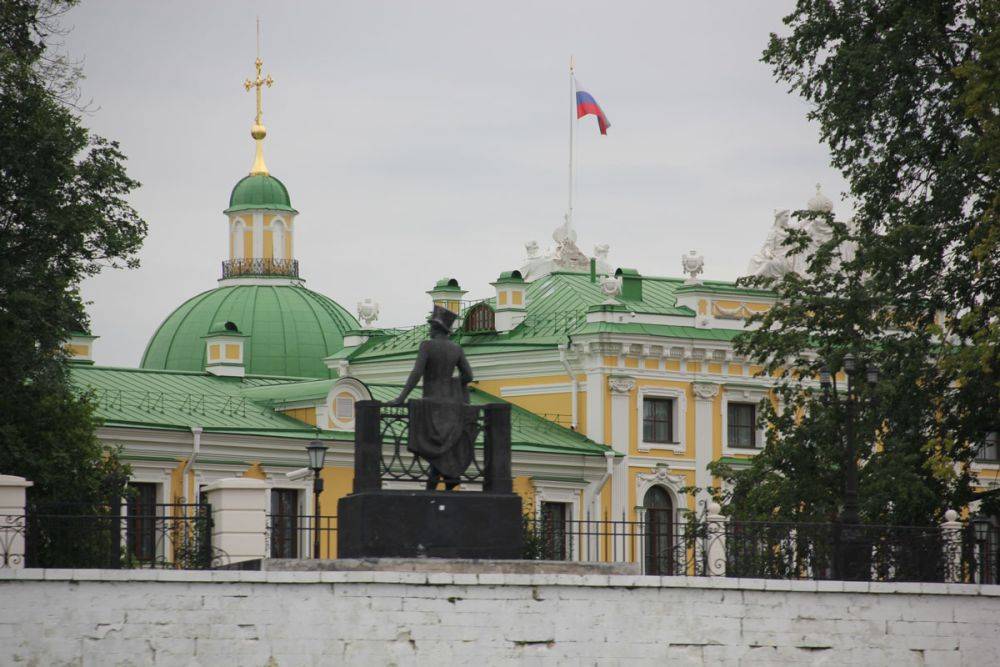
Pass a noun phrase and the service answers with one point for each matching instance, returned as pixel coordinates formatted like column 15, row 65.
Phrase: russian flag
column 586, row 105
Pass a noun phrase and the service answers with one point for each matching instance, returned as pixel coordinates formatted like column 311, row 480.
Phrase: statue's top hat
column 442, row 317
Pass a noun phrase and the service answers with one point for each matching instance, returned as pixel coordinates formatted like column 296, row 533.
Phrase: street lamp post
column 317, row 455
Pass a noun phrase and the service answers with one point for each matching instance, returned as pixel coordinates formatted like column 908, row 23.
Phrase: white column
column 621, row 416
column 239, row 517
column 258, row 236
column 716, row 541
column 12, row 525
column 951, row 544
column 595, row 405
column 705, row 394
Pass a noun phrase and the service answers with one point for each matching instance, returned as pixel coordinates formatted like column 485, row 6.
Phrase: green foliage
column 906, row 97
column 64, row 215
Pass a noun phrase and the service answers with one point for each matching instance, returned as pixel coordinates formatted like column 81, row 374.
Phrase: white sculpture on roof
column 693, row 265
column 565, row 255
column 367, row 312
column 774, row 259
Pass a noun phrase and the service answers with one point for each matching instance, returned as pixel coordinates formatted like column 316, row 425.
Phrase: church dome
column 259, row 191
column 289, row 330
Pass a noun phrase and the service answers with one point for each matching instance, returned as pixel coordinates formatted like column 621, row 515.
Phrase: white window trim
column 568, row 493
column 346, row 385
column 741, row 395
column 679, row 397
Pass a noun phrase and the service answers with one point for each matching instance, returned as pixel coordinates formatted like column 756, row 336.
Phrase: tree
column 905, row 97
column 64, row 215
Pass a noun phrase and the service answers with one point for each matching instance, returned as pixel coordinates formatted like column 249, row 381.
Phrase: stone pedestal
column 435, row 524
column 12, row 523
column 239, row 518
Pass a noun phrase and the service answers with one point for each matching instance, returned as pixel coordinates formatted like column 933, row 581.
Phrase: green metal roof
column 178, row 400
column 556, row 308
column 290, row 392
column 289, row 329
column 260, row 191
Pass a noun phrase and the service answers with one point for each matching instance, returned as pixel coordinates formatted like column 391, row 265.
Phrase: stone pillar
column 12, row 523
column 621, row 417
column 705, row 394
column 951, row 544
column 715, row 542
column 239, row 518
column 595, row 404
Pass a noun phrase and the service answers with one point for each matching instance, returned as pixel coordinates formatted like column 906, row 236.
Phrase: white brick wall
column 81, row 617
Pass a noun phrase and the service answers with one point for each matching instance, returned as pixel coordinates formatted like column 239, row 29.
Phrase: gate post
column 239, row 517
column 496, row 449
column 13, row 522
column 715, row 547
column 951, row 544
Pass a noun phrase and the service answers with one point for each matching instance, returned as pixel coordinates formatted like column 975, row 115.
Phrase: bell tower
column 260, row 213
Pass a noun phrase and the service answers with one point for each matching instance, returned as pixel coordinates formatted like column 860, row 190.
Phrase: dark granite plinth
column 433, row 524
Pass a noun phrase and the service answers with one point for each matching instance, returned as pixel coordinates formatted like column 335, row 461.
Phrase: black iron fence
column 74, row 535
column 301, row 536
column 235, row 268
column 772, row 550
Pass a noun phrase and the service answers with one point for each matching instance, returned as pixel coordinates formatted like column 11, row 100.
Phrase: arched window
column 239, row 229
column 479, row 317
column 278, row 239
column 659, row 531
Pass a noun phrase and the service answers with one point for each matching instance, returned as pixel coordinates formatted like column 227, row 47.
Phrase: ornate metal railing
column 73, row 535
column 236, row 268
column 381, row 454
column 771, row 550
column 398, row 464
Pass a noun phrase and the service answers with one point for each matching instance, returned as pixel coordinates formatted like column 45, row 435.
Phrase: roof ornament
column 367, row 312
column 693, row 265
column 258, row 131
column 819, row 202
column 611, row 287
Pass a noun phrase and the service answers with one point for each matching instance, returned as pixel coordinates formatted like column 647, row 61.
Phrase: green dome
column 289, row 330
column 259, row 191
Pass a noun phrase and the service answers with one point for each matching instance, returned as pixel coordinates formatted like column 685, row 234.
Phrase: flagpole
column 572, row 126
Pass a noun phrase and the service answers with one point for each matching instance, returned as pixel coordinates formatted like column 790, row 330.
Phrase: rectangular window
column 344, row 408
column 553, row 530
column 284, row 523
column 989, row 450
column 742, row 421
column 141, row 526
column 658, row 420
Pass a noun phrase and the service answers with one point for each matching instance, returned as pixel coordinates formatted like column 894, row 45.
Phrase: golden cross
column 258, row 131
column 259, row 82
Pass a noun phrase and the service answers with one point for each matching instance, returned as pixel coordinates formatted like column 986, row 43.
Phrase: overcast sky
column 424, row 139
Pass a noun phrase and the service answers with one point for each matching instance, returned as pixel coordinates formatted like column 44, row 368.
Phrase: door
column 659, row 530
column 284, row 523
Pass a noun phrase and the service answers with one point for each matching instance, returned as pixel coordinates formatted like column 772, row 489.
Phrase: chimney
column 224, row 350
column 511, row 308
column 447, row 294
column 80, row 347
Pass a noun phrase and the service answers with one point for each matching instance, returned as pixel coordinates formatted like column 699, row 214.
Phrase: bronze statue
column 442, row 423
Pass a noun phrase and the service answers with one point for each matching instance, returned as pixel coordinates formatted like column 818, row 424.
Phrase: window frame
column 651, row 421
column 679, row 417
column 742, row 394
column 752, row 427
